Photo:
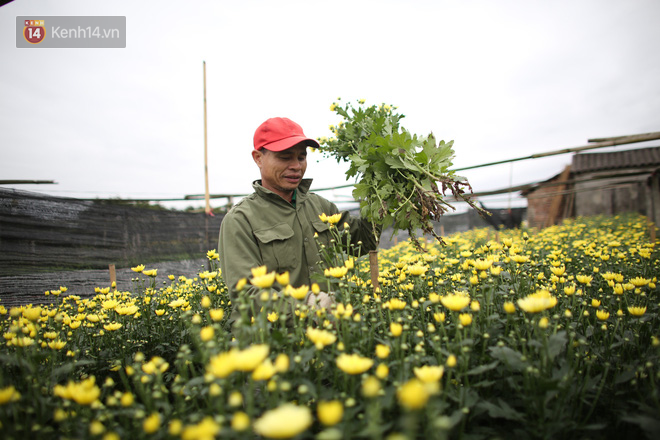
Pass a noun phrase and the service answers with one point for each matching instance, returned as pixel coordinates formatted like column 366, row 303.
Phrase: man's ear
column 256, row 156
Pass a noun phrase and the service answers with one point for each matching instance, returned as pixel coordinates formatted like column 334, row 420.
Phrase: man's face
column 282, row 171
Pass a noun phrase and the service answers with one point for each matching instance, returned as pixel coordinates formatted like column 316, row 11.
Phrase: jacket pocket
column 278, row 248
column 322, row 229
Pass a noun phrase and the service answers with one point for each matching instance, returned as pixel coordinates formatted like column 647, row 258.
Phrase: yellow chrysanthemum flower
column 112, row 326
column 151, row 424
column 509, row 307
column 429, row 373
column 336, row 272
column 285, row 421
column 465, row 319
column 9, row 394
column 382, row 351
column 180, row 302
column 251, row 357
column 217, row 314
column 396, row 329
column 639, row 281
column 455, row 302
column 57, row 344
column 240, row 422
column 264, row 371
column 32, row 313
column 417, row 269
column 127, row 310
column 520, row 259
column 636, row 310
column 353, row 363
column 395, row 304
column 206, row 333
column 109, row 304
column 126, row 399
column 84, row 393
column 584, row 279
column 221, row 365
column 439, row 317
column 282, row 363
column 320, row 338
column 371, row 387
column 382, row 371
column 413, row 395
column 283, row 278
column 206, row 429
column 330, row 412
column 558, row 271
column 263, row 281
column 602, row 315
column 298, row 293
column 537, row 302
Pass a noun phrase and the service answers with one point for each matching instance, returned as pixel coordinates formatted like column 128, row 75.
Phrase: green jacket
column 265, row 229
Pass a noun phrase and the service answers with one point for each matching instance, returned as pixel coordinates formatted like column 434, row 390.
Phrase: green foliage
column 402, row 178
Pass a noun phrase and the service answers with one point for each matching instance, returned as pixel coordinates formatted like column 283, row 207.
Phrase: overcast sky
column 503, row 79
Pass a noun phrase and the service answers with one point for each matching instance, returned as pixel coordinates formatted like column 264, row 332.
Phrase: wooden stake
column 206, row 159
column 373, row 265
column 651, row 226
column 113, row 275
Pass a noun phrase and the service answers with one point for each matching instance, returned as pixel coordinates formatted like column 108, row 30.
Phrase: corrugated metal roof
column 642, row 157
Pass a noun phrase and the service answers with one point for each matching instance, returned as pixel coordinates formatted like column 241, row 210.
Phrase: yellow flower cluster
column 487, row 303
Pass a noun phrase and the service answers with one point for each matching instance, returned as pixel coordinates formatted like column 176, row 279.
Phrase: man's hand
column 320, row 301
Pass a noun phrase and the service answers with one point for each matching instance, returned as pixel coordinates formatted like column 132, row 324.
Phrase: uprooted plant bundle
column 402, row 178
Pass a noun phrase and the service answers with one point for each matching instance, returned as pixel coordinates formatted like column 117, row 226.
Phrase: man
column 278, row 225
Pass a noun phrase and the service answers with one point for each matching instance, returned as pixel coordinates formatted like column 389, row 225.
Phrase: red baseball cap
column 277, row 134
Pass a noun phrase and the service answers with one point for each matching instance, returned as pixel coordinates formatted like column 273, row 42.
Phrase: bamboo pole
column 26, row 182
column 207, row 209
column 373, row 265
column 603, row 142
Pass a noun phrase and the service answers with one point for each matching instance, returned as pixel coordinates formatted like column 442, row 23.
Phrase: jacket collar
column 301, row 193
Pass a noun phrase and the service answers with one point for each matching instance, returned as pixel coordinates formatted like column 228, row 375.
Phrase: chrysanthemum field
column 514, row 334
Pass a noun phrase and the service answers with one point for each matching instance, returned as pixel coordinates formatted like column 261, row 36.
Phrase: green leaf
column 556, row 344
column 395, row 162
column 624, row 377
column 361, row 191
column 509, row 357
column 500, row 411
column 651, row 426
column 482, row 368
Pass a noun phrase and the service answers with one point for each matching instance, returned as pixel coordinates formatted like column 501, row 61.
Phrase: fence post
column 373, row 265
column 651, row 226
column 113, row 275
